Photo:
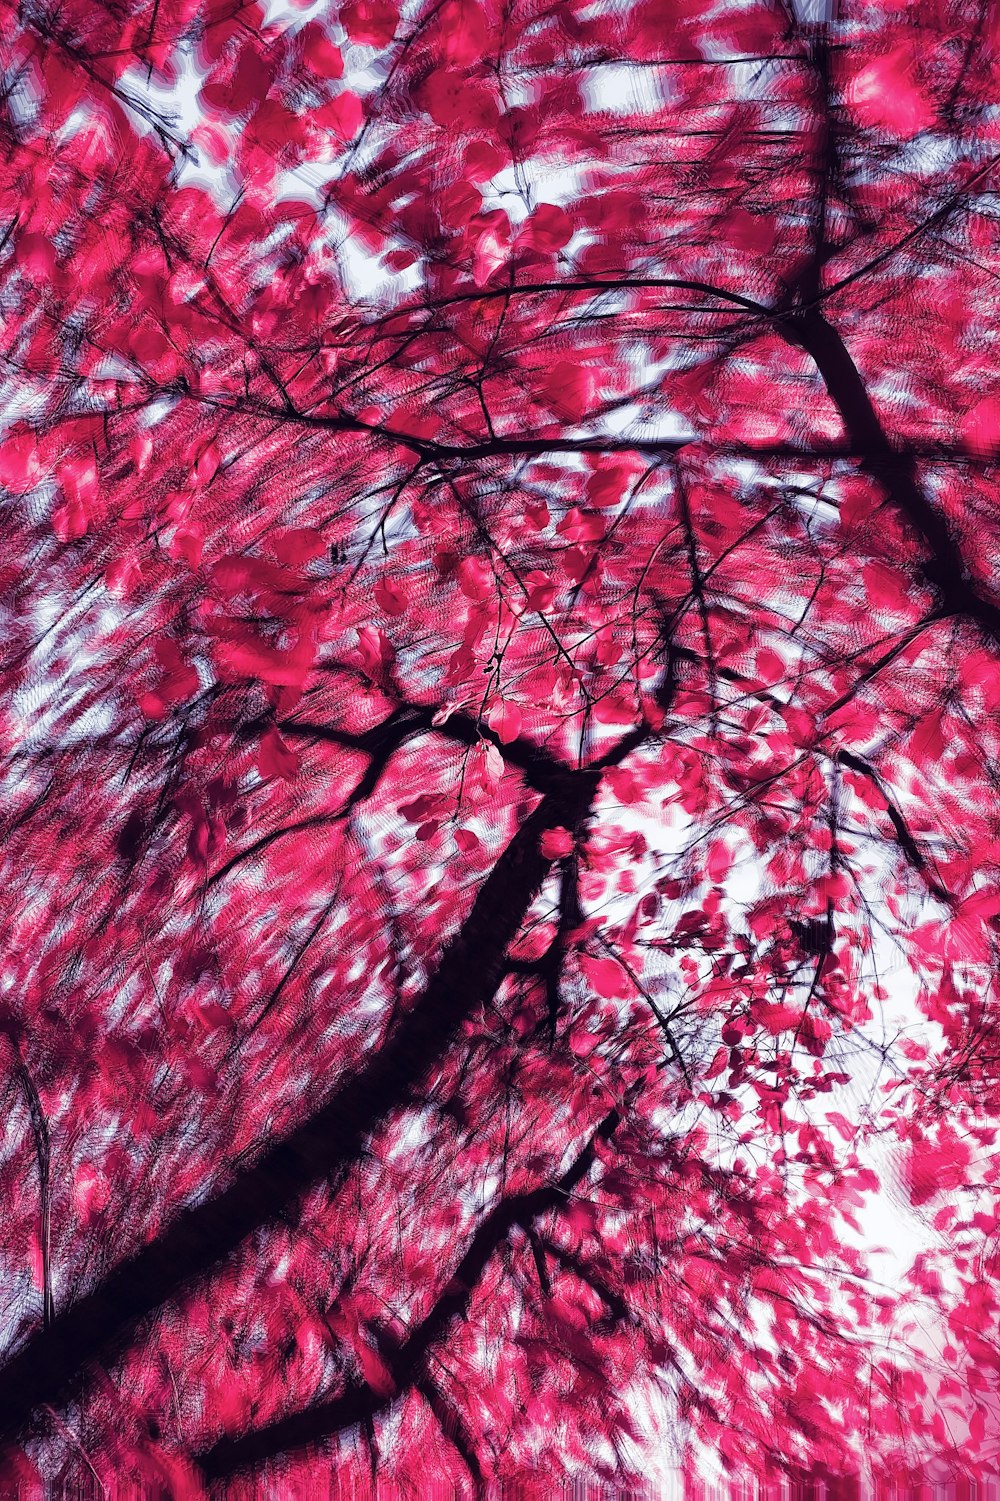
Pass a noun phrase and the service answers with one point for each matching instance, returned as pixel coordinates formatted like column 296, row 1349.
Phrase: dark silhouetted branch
column 324, row 1147
column 358, row 1403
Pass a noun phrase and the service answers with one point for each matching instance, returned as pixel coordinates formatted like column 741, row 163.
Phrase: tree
column 500, row 716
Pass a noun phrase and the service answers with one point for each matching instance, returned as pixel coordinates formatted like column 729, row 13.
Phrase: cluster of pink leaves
column 314, row 600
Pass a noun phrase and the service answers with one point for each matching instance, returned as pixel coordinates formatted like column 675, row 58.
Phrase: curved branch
column 359, row 1403
column 324, row 1147
column 542, row 770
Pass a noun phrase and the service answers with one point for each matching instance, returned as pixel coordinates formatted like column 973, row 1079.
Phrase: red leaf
column 370, row 22
column 719, row 861
column 296, row 545
column 936, row 1169
column 606, row 977
column 390, row 596
column 505, row 720
column 319, row 53
column 570, row 389
column 548, row 229
column 555, row 843
column 778, row 1018
column 344, row 115
column 251, row 658
column 885, row 95
column 374, row 650
column 275, row 758
column 980, row 427
column 19, row 466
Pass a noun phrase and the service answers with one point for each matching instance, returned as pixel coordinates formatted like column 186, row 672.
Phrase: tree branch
column 358, row 1403
column 324, row 1147
column 542, row 770
column 895, row 471
column 907, row 843
column 40, row 1135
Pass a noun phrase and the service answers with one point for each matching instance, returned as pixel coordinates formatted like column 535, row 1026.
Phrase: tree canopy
column 500, row 729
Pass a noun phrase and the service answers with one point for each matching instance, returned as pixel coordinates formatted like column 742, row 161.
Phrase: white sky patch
column 623, row 89
column 660, row 426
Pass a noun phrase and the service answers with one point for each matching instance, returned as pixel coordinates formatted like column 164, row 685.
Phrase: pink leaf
column 505, row 720
column 390, row 597
column 885, row 95
column 569, row 388
column 555, row 843
column 606, row 977
column 275, row 758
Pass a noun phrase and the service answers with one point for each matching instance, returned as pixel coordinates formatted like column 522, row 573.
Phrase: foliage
column 500, row 723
